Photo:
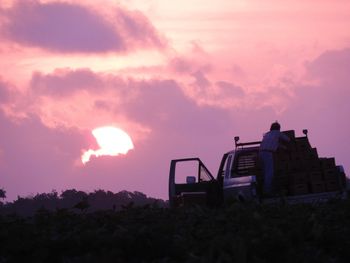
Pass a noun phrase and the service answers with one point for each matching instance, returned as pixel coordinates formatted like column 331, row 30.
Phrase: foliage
column 2, row 193
column 235, row 233
column 79, row 201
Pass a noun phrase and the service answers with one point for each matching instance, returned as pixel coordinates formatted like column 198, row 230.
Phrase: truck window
column 194, row 168
column 244, row 163
column 226, row 172
column 204, row 175
column 184, row 169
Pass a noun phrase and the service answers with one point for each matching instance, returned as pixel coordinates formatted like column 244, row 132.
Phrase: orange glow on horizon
column 111, row 140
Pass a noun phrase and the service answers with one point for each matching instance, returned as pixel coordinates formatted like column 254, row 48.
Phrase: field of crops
column 239, row 232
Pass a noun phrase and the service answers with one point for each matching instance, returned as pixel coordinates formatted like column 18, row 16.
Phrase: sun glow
column 111, row 140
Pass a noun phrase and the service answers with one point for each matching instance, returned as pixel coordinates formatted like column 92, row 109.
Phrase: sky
column 181, row 78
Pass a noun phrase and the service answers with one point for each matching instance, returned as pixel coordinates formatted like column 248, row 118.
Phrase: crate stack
column 299, row 170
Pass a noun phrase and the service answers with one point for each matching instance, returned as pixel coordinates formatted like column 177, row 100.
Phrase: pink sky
column 182, row 78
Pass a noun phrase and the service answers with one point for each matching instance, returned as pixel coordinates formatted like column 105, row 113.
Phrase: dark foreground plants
column 235, row 233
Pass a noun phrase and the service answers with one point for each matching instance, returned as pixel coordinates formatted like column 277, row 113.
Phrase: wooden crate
column 298, row 178
column 291, row 146
column 332, row 185
column 312, row 165
column 280, row 181
column 327, row 163
column 296, row 156
column 281, row 156
column 281, row 167
column 299, row 189
column 315, row 176
column 290, row 134
column 317, row 187
column 311, row 154
column 302, row 144
column 331, row 174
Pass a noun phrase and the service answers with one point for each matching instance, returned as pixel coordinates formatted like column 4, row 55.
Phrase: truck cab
column 300, row 175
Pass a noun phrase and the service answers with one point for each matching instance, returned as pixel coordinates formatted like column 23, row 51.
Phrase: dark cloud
column 154, row 102
column 181, row 65
column 35, row 158
column 331, row 66
column 331, row 69
column 65, row 27
column 201, row 80
column 102, row 105
column 324, row 107
column 137, row 27
column 65, row 82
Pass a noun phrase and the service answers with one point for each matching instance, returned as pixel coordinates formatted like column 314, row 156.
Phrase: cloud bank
column 72, row 28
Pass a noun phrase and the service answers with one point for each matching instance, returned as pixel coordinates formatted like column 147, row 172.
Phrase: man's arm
column 284, row 137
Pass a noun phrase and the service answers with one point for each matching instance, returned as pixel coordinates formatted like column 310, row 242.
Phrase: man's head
column 275, row 126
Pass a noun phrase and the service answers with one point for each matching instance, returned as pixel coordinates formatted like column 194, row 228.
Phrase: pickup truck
column 300, row 175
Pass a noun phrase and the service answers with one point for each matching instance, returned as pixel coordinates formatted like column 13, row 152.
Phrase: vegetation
column 240, row 232
column 77, row 201
column 2, row 193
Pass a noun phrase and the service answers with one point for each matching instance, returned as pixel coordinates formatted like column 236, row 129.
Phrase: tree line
column 78, row 201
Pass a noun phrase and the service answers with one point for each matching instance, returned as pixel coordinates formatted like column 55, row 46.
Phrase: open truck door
column 190, row 182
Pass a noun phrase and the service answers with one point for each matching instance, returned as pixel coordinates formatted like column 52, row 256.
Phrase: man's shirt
column 271, row 140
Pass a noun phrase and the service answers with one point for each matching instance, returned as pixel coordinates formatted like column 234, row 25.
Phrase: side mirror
column 190, row 179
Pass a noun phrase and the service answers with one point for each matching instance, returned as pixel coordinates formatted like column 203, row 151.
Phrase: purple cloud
column 228, row 89
column 65, row 82
column 181, row 65
column 331, row 66
column 324, row 107
column 201, row 80
column 64, row 27
column 137, row 27
column 35, row 158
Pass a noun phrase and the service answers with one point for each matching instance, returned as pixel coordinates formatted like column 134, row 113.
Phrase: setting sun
column 111, row 140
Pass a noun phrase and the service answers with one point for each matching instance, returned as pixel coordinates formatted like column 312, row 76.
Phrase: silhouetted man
column 268, row 146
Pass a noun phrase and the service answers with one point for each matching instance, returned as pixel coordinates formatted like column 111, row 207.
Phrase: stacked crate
column 299, row 170
column 333, row 179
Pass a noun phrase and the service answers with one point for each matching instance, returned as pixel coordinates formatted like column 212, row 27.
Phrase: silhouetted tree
column 2, row 193
column 83, row 205
column 74, row 199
